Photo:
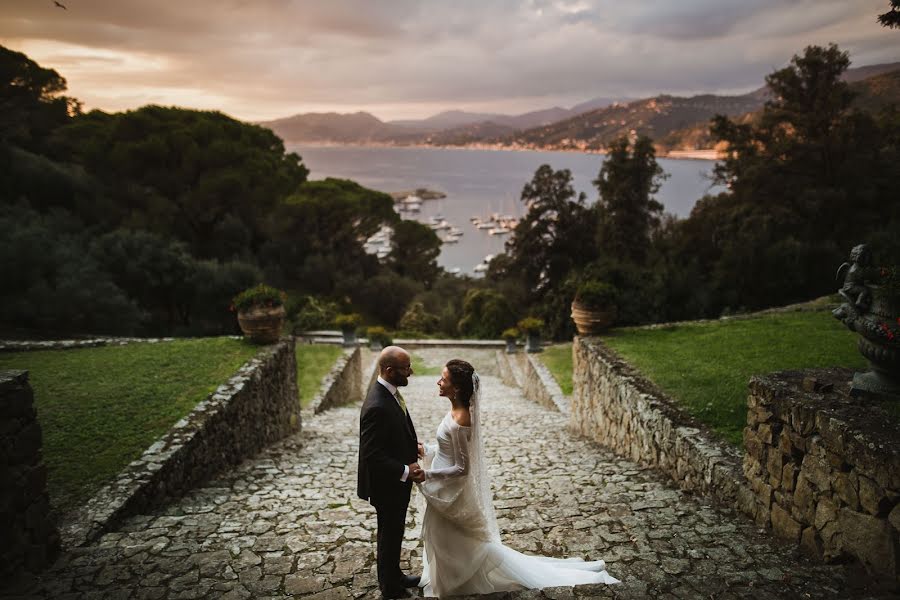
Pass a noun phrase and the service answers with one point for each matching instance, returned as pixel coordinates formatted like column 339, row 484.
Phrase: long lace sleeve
column 460, row 468
column 430, row 449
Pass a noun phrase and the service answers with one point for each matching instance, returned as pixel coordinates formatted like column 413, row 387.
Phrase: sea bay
column 481, row 182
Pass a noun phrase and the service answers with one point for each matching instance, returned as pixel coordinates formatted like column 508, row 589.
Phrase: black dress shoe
column 409, row 581
column 391, row 594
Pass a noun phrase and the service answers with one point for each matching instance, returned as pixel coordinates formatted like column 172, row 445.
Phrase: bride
column 463, row 552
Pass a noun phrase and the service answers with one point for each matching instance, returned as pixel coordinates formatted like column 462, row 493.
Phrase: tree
column 628, row 212
column 184, row 173
column 486, row 314
column 892, row 17
column 555, row 235
column 414, row 251
column 31, row 100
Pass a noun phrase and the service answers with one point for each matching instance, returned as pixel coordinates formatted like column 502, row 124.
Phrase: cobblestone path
column 287, row 523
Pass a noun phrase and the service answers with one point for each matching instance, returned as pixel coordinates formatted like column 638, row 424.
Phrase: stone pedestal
column 825, row 467
column 30, row 539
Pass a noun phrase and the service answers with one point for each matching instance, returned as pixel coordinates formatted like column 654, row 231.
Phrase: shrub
column 510, row 334
column 486, row 314
column 308, row 313
column 416, row 318
column 348, row 321
column 596, row 294
column 261, row 295
column 380, row 335
column 531, row 325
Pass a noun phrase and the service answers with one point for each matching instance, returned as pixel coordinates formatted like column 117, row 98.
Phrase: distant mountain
column 876, row 86
column 654, row 117
column 355, row 128
column 674, row 122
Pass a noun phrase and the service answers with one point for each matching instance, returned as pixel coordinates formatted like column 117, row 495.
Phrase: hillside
column 674, row 122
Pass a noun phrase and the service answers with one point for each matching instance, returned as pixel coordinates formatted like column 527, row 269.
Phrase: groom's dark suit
column 387, row 444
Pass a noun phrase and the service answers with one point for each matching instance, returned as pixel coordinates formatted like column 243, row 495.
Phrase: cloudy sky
column 260, row 59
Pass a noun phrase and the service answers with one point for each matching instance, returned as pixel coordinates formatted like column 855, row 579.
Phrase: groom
column 388, row 449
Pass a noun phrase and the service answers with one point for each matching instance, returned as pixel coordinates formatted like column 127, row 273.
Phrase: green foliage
column 384, row 298
column 596, row 294
column 309, row 313
column 100, row 408
column 31, row 100
column 51, row 281
column 706, row 367
column 416, row 318
column 485, row 314
column 627, row 211
column 260, row 295
column 892, row 17
column 379, row 334
column 348, row 321
column 414, row 251
column 530, row 325
column 176, row 171
column 510, row 334
column 314, row 362
column 554, row 236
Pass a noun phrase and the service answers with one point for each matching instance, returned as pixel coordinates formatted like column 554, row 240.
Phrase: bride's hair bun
column 461, row 378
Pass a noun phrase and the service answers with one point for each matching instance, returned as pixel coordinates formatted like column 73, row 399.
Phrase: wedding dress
column 463, row 552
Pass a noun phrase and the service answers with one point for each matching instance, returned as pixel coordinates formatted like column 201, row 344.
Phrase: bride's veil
column 480, row 478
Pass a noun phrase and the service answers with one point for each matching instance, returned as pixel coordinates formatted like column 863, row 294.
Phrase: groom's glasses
column 405, row 368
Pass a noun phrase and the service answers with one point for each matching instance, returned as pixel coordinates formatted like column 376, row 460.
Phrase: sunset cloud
column 402, row 58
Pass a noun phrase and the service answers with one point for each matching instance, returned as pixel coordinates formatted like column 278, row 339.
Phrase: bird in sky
column 60, row 4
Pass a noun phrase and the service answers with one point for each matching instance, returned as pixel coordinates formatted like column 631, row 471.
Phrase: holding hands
column 416, row 473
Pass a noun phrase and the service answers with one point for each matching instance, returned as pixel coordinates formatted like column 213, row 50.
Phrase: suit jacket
column 387, row 443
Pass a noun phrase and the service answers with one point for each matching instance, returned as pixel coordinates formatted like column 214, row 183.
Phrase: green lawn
column 100, row 408
column 706, row 367
column 558, row 359
column 314, row 361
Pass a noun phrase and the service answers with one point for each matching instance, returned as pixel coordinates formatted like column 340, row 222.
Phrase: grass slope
column 314, row 361
column 706, row 367
column 100, row 408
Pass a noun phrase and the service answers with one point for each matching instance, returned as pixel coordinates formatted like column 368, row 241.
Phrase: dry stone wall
column 28, row 531
column 257, row 406
column 825, row 467
column 342, row 384
column 620, row 409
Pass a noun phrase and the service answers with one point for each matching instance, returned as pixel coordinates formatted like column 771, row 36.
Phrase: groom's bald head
column 394, row 365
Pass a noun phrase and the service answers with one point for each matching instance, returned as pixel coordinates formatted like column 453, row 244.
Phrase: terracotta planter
column 592, row 321
column 262, row 324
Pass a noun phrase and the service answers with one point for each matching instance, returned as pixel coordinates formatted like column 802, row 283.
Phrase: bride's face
column 445, row 388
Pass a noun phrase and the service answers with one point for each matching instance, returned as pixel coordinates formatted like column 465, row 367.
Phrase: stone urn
column 262, row 324
column 511, row 346
column 879, row 343
column 872, row 310
column 592, row 321
column 533, row 342
column 349, row 335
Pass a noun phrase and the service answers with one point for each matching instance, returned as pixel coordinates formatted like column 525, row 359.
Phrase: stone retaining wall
column 257, row 406
column 825, row 468
column 342, row 384
column 33, row 345
column 615, row 406
column 28, row 531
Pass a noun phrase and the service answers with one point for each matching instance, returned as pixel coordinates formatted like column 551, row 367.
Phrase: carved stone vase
column 349, row 336
column 878, row 341
column 592, row 321
column 262, row 324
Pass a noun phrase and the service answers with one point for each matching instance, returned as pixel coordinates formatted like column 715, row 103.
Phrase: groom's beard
column 402, row 380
